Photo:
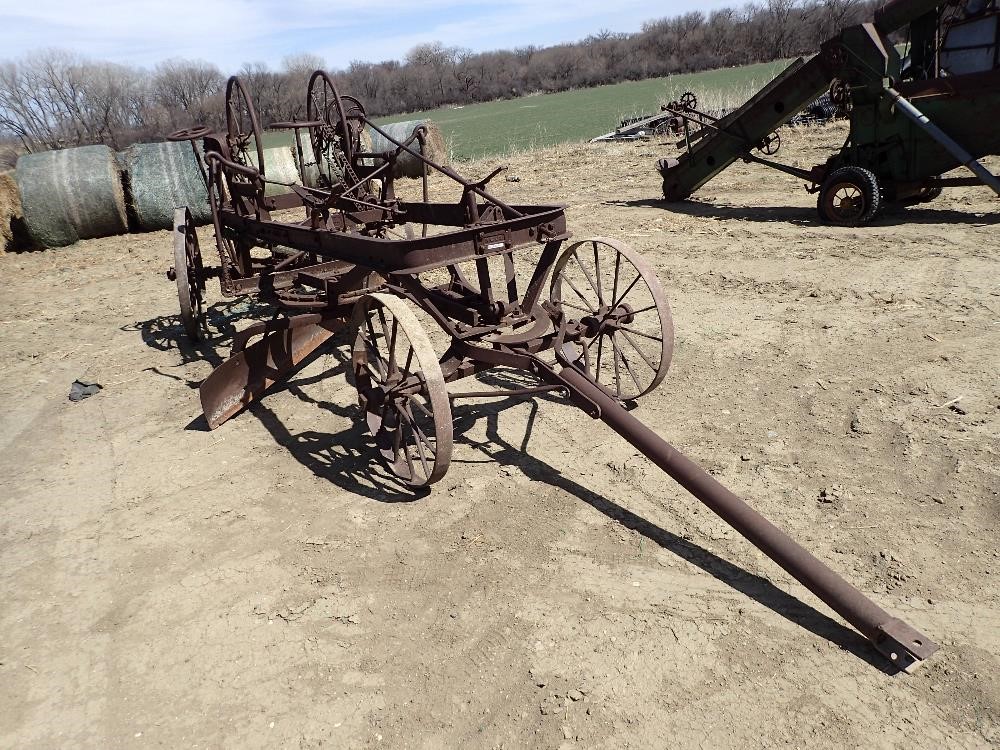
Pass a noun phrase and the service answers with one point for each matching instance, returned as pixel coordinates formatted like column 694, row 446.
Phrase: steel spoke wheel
column 401, row 390
column 189, row 274
column 242, row 127
column 628, row 335
column 336, row 140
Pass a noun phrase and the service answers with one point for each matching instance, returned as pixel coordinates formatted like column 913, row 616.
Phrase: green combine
column 913, row 117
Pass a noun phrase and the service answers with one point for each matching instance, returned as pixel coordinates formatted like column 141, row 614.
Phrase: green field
column 530, row 122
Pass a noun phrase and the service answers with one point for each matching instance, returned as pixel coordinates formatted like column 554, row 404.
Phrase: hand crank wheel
column 188, row 271
column 401, row 390
column 628, row 331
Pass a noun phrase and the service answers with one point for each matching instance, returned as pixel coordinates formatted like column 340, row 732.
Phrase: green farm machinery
column 914, row 115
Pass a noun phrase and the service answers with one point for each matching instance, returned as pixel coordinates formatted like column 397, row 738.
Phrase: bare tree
column 52, row 99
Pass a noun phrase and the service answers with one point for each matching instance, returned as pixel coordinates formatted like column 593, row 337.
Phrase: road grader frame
column 600, row 338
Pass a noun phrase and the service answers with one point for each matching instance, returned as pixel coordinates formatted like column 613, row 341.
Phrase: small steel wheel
column 401, row 390
column 628, row 337
column 189, row 274
column 688, row 100
column 849, row 196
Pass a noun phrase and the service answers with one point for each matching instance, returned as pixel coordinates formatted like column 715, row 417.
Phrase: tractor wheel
column 850, row 196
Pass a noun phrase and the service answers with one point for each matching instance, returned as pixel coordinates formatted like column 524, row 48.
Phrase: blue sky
column 143, row 32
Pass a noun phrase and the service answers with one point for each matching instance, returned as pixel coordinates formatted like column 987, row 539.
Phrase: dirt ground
column 267, row 585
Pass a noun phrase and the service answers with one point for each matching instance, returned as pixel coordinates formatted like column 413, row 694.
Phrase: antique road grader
column 591, row 324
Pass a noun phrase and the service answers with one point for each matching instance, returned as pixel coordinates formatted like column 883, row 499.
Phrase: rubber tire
column 862, row 179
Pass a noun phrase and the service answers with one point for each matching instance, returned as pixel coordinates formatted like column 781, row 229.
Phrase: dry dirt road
column 266, row 585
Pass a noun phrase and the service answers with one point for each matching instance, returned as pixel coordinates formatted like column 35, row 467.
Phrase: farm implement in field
column 911, row 120
column 591, row 324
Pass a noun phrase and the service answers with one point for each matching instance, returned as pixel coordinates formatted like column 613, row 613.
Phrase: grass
column 509, row 126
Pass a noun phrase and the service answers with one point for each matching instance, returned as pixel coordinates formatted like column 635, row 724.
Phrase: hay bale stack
column 279, row 165
column 163, row 176
column 71, row 194
column 407, row 165
column 10, row 210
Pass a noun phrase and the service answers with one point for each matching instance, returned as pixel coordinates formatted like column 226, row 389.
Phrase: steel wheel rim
column 846, row 202
column 411, row 427
column 615, row 275
column 188, row 272
column 238, row 104
column 318, row 106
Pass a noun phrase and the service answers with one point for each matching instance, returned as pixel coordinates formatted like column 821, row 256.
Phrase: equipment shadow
column 166, row 333
column 348, row 460
column 894, row 216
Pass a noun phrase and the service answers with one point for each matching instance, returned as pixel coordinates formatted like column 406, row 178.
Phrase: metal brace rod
column 924, row 123
column 903, row 645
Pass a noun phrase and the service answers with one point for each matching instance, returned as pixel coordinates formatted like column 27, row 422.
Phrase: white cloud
column 230, row 32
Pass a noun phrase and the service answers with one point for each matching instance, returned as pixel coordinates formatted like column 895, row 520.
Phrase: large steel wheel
column 189, row 274
column 629, row 333
column 243, row 127
column 342, row 116
column 401, row 390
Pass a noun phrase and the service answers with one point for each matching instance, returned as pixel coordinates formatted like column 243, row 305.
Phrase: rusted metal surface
column 601, row 336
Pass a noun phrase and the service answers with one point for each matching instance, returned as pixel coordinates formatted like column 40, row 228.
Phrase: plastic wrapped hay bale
column 163, row 176
column 408, row 165
column 71, row 194
column 280, row 166
column 310, row 170
column 307, row 167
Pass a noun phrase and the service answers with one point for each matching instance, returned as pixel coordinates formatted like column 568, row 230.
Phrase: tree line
column 55, row 99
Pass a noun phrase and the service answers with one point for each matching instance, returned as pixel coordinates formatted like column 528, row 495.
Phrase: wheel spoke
column 420, row 405
column 573, row 287
column 374, row 355
column 419, row 439
column 577, row 307
column 640, row 333
column 597, row 272
column 642, row 354
column 409, row 361
column 406, row 453
column 587, row 275
column 393, row 366
column 644, row 309
column 628, row 367
column 614, row 286
column 397, row 439
column 618, row 301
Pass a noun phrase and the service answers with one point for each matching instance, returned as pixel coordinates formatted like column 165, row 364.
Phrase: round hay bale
column 10, row 210
column 307, row 167
column 408, row 165
column 162, row 177
column 71, row 194
column 310, row 170
column 280, row 166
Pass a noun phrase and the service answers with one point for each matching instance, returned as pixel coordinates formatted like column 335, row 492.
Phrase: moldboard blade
column 245, row 376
